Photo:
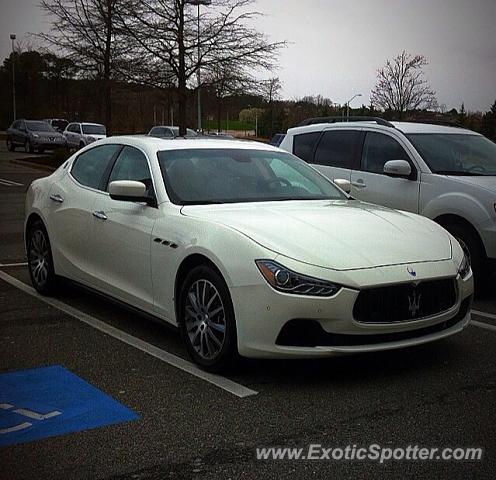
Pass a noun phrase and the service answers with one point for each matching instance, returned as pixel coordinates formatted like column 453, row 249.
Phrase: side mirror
column 129, row 191
column 398, row 168
column 343, row 184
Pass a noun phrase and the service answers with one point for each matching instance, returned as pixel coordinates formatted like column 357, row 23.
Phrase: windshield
column 209, row 175
column 37, row 126
column 60, row 124
column 93, row 129
column 189, row 132
column 456, row 154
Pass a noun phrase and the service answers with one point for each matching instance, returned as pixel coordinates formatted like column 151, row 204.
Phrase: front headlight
column 287, row 281
column 91, row 139
column 35, row 135
column 464, row 268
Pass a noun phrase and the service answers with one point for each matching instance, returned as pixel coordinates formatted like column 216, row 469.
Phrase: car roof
column 158, row 144
column 404, row 127
column 89, row 123
column 412, row 127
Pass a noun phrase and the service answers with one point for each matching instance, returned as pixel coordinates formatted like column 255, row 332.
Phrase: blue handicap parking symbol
column 49, row 401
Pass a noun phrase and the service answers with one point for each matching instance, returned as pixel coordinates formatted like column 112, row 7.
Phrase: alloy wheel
column 39, row 257
column 205, row 319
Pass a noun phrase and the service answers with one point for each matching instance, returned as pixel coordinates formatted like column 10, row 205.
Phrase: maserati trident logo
column 411, row 271
column 414, row 303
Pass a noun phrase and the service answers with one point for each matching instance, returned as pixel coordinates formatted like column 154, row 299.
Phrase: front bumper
column 263, row 313
column 48, row 144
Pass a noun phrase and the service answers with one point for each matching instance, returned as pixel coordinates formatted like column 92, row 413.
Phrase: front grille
column 404, row 302
column 309, row 333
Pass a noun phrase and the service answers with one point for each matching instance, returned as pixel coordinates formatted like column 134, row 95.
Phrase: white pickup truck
column 445, row 173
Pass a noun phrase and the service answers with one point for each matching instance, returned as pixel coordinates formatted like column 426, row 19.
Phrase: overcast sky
column 337, row 46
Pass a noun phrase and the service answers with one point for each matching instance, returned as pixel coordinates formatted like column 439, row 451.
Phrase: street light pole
column 198, row 74
column 13, row 37
column 348, row 103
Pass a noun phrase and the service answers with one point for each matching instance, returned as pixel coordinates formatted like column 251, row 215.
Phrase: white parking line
column 487, row 326
column 221, row 382
column 21, row 264
column 484, row 314
column 10, row 183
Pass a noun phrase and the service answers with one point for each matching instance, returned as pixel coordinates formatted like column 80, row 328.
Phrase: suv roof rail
column 313, row 121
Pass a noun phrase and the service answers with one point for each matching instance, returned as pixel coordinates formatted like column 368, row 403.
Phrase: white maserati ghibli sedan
column 245, row 248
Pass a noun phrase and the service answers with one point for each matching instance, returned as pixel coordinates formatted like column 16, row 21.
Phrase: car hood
column 486, row 182
column 341, row 235
column 95, row 136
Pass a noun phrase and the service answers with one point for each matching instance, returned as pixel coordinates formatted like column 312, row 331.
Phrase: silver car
column 33, row 135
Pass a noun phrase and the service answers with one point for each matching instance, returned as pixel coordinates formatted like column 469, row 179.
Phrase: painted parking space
column 50, row 401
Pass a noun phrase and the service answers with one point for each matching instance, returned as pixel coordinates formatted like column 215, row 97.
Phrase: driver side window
column 131, row 164
column 379, row 149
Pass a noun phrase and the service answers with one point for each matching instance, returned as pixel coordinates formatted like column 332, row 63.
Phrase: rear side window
column 304, row 144
column 379, row 149
column 338, row 148
column 131, row 164
column 89, row 167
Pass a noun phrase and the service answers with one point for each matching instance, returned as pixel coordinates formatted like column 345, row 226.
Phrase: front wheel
column 206, row 320
column 40, row 261
column 10, row 145
column 473, row 248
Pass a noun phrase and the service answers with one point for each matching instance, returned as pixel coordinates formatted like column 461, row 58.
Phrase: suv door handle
column 56, row 198
column 359, row 184
column 100, row 215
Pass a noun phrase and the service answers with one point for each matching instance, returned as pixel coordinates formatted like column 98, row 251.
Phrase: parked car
column 79, row 135
column 445, row 173
column 33, row 135
column 58, row 123
column 164, row 131
column 277, row 139
column 246, row 249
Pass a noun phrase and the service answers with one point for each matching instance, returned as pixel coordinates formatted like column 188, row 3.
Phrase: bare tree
column 225, row 80
column 271, row 91
column 166, row 32
column 85, row 31
column 401, row 85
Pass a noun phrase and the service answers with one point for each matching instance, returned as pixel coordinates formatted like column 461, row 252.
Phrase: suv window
column 89, row 167
column 304, row 144
column 338, row 148
column 379, row 149
column 131, row 164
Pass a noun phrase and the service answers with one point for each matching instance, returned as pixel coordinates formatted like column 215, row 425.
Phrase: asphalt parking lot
column 191, row 425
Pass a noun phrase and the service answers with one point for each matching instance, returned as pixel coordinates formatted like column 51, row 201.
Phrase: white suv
column 445, row 173
column 78, row 135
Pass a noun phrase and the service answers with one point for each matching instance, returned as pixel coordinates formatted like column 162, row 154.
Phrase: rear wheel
column 206, row 320
column 10, row 145
column 40, row 261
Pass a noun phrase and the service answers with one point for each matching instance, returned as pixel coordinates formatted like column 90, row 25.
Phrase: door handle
column 56, row 198
column 359, row 184
column 100, row 215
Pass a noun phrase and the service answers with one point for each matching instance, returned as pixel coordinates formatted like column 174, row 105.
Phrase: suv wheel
column 472, row 247
column 10, row 145
column 28, row 146
column 206, row 319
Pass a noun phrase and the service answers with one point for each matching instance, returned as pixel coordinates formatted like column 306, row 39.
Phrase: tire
column 81, row 145
column 41, row 150
column 40, row 260
column 28, row 146
column 472, row 245
column 10, row 145
column 206, row 320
